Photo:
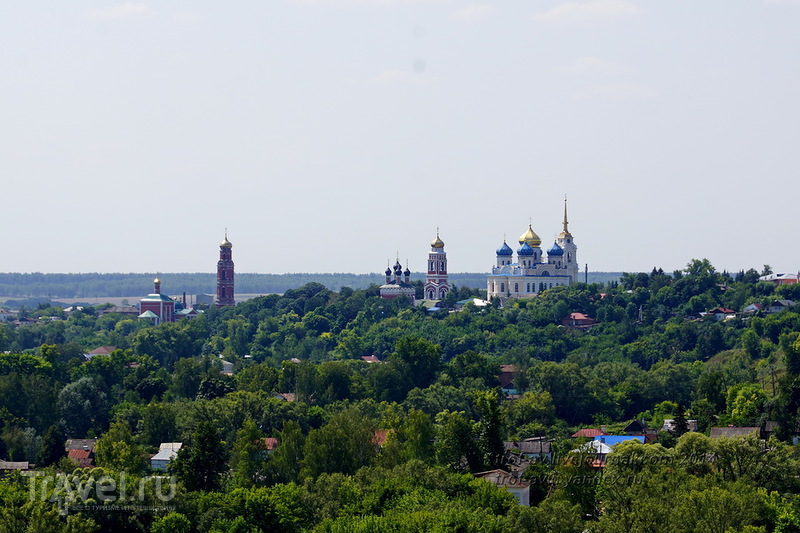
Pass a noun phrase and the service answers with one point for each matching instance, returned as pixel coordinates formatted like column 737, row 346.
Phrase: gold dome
column 225, row 243
column 437, row 242
column 530, row 237
column 156, row 281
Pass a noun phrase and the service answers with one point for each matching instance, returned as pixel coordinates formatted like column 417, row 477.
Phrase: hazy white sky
column 330, row 135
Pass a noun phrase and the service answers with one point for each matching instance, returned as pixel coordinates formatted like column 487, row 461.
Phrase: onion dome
column 156, row 281
column 530, row 237
column 437, row 242
column 407, row 272
column 555, row 250
column 388, row 271
column 505, row 249
column 225, row 242
column 525, row 249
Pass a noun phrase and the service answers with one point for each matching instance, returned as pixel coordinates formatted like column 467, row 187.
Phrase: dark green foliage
column 649, row 357
column 52, row 449
column 82, row 406
column 201, row 464
column 343, row 445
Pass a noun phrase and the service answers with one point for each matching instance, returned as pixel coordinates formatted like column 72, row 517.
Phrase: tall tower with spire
column 436, row 285
column 225, row 287
column 567, row 244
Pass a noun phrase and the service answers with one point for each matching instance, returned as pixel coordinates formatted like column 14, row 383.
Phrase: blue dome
column 525, row 249
column 505, row 249
column 555, row 250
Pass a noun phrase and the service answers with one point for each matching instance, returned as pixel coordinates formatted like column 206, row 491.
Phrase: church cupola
column 505, row 249
column 504, row 254
column 526, row 255
column 530, row 238
column 555, row 250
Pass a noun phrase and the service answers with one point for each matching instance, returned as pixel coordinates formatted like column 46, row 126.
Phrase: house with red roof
column 588, row 433
column 580, row 321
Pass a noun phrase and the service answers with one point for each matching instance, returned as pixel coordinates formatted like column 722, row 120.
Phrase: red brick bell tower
column 225, row 274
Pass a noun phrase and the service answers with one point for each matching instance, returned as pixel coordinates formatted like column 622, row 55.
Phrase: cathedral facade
column 533, row 272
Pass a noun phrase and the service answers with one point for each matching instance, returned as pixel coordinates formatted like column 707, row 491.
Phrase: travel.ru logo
column 97, row 489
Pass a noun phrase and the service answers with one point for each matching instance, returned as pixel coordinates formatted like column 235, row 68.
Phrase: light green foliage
column 288, row 456
column 172, row 523
column 456, row 446
column 249, row 459
column 646, row 356
column 746, row 405
column 531, row 415
column 117, row 451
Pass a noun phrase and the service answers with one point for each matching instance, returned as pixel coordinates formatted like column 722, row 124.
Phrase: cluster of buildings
column 159, row 307
column 520, row 274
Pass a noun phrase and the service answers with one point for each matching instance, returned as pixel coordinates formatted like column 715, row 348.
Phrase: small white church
column 533, row 272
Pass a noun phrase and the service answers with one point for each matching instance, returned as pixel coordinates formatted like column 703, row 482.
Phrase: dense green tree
column 418, row 359
column 82, row 407
column 117, row 451
column 52, row 449
column 456, row 446
column 249, row 457
column 200, row 465
column 288, row 455
column 344, row 444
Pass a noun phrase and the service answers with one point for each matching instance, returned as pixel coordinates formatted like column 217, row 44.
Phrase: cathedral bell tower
column 566, row 242
column 225, row 274
column 436, row 285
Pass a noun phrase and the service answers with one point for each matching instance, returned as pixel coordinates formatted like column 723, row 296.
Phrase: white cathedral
column 532, row 273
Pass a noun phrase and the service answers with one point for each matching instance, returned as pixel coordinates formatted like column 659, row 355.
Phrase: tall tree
column 288, row 456
column 201, row 464
column 249, row 459
column 52, row 447
column 344, row 445
column 419, row 359
column 116, row 450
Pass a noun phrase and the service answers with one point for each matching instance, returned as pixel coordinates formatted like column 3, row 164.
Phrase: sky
column 334, row 135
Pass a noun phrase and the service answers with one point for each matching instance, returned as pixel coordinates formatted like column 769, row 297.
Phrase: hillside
column 116, row 285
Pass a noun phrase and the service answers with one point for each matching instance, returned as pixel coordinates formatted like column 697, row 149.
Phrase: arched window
column 221, row 274
column 516, row 287
column 430, row 294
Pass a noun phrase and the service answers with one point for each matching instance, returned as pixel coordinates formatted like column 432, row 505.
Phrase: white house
column 166, row 453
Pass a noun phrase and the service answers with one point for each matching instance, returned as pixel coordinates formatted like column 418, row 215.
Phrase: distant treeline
column 36, row 284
